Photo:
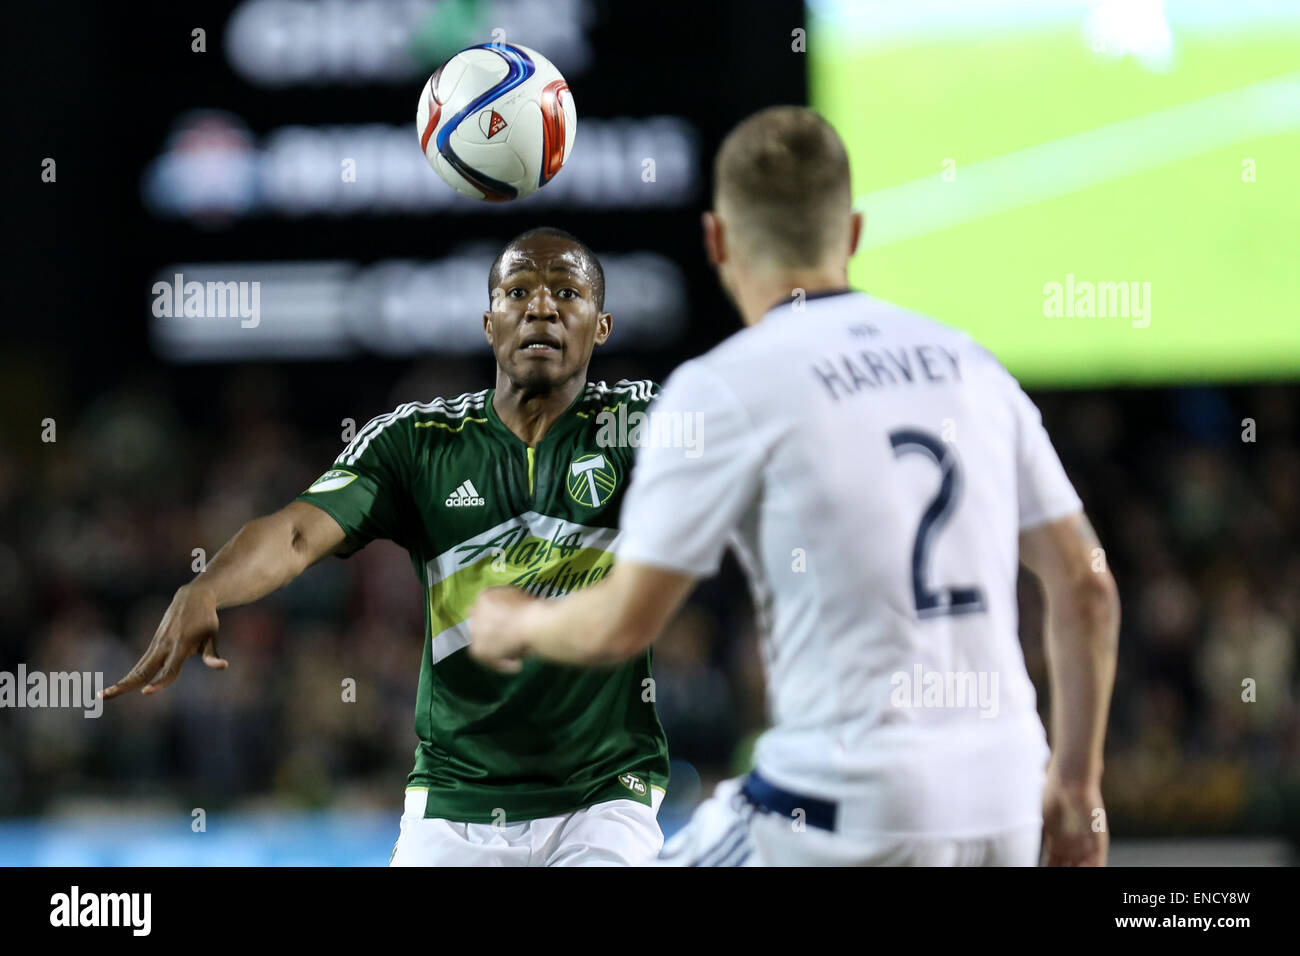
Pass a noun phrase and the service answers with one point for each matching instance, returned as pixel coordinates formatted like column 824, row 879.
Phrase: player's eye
column 517, row 289
column 569, row 294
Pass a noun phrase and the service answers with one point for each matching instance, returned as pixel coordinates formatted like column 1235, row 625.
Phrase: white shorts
column 728, row 830
column 614, row 833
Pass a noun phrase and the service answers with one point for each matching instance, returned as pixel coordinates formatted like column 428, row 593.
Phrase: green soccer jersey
column 476, row 507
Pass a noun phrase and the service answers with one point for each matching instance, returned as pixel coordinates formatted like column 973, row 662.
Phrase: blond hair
column 781, row 185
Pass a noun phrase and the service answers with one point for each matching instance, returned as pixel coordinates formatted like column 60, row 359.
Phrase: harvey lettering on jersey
column 848, row 373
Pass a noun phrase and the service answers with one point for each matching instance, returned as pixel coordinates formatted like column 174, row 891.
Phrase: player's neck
column 530, row 414
column 755, row 296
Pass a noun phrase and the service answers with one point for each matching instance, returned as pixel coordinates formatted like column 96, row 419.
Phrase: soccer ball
column 496, row 121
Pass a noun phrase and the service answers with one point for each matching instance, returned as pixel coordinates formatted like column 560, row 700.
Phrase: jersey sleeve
column 1043, row 491
column 366, row 488
column 684, row 502
column 638, row 397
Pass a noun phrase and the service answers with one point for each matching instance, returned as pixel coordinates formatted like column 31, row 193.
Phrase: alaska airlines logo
column 591, row 480
column 541, row 567
column 516, row 547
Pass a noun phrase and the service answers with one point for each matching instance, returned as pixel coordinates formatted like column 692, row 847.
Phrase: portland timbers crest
column 591, row 480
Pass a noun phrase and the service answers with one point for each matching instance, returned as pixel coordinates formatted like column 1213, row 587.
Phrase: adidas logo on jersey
column 465, row 496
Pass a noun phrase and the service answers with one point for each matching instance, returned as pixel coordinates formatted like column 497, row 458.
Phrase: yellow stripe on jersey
column 448, row 427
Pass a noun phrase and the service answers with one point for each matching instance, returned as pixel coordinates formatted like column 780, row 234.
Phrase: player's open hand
column 189, row 627
column 1074, row 824
column 495, row 638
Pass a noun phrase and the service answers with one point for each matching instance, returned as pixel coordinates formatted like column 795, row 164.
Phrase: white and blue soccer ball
column 496, row 121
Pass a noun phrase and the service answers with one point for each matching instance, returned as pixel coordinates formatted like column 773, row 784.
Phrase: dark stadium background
column 155, row 458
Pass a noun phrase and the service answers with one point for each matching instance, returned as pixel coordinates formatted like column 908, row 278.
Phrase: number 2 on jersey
column 935, row 601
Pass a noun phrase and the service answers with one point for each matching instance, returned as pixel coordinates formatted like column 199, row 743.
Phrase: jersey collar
column 808, row 297
column 557, row 426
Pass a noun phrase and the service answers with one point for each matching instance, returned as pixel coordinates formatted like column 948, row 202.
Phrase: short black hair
column 589, row 259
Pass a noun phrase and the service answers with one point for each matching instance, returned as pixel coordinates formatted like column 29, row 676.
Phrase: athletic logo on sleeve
column 465, row 496
column 633, row 783
column 592, row 479
column 332, row 481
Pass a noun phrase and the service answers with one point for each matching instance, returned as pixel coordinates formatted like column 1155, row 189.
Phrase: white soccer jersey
column 873, row 469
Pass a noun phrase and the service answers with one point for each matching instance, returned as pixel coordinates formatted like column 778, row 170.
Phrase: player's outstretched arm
column 1081, row 637
column 598, row 626
column 266, row 554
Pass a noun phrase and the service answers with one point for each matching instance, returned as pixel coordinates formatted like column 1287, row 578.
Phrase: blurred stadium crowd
column 1201, row 530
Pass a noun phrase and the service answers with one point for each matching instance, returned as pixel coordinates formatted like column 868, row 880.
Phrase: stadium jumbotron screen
column 1115, row 204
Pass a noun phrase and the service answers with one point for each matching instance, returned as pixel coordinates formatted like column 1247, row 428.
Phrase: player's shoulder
column 747, row 363
column 918, row 323
column 755, row 360
column 634, row 393
column 396, row 429
column 449, row 415
column 740, row 352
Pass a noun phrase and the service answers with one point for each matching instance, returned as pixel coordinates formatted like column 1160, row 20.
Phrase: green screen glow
column 1101, row 193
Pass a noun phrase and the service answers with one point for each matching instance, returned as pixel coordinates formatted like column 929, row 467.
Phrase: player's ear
column 604, row 326
column 715, row 246
column 856, row 222
column 487, row 327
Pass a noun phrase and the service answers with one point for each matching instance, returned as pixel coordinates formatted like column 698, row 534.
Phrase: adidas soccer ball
column 496, row 121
